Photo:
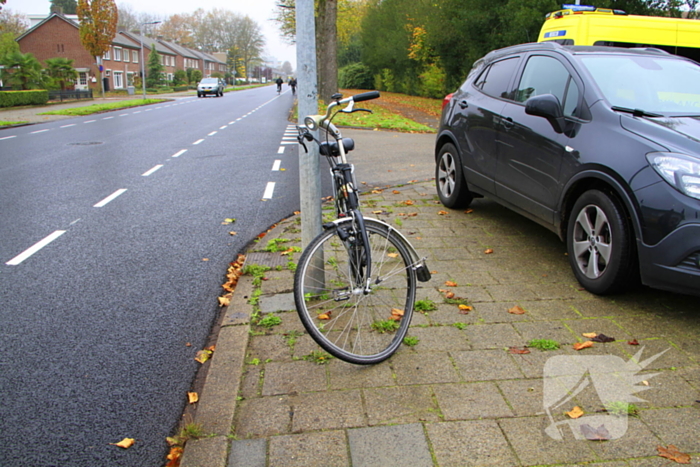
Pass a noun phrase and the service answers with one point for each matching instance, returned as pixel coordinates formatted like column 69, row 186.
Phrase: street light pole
column 143, row 71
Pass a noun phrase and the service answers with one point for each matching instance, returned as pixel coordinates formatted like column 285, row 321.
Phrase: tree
column 98, row 25
column 8, row 44
column 287, row 68
column 15, row 23
column 154, row 75
column 326, row 40
column 178, row 29
column 61, row 71
column 68, row 7
column 250, row 43
column 22, row 71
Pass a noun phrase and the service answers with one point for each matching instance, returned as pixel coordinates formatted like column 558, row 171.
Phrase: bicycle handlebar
column 366, row 96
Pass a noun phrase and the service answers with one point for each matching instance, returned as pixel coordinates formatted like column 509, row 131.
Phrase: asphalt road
column 111, row 259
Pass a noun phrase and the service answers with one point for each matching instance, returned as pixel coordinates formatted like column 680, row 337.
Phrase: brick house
column 59, row 36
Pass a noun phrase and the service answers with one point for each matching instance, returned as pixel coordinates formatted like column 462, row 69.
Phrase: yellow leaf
column 392, row 255
column 192, row 397
column 233, row 233
column 408, row 202
column 224, row 301
column 205, row 259
column 397, row 312
column 583, row 345
column 576, row 412
column 465, row 308
column 125, row 443
column 589, row 335
column 324, row 316
column 203, row 355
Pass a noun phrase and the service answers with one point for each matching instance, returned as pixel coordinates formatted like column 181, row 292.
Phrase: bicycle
column 355, row 284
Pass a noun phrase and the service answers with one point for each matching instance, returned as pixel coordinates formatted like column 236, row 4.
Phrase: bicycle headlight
column 681, row 171
column 312, row 122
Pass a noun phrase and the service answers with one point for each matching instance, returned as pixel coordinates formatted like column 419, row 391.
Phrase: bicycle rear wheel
column 354, row 326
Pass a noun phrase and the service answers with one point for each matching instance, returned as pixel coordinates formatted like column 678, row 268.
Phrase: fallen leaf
column 488, row 251
column 397, row 312
column 466, row 308
column 450, row 295
column 174, row 456
column 672, row 453
column 412, row 181
column 192, row 397
column 324, row 316
column 377, row 212
column 203, row 355
column 442, row 213
column 188, row 344
column 633, row 342
column 396, row 192
column 125, row 443
column 516, row 310
column 518, row 350
column 394, row 318
column 450, row 284
column 468, row 211
column 172, row 440
column 392, row 255
column 574, row 413
column 288, row 251
column 412, row 214
column 205, row 259
column 583, row 345
column 225, row 300
column 228, row 221
column 376, row 192
column 598, row 434
column 589, row 335
column 603, row 338
column 408, row 202
column 233, row 233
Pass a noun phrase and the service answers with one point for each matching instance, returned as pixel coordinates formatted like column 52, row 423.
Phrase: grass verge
column 97, row 108
column 5, row 123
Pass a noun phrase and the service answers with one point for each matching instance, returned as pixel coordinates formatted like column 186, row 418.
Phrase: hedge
column 34, row 97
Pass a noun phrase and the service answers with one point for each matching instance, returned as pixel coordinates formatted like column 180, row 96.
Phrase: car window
column 547, row 75
column 656, row 84
column 495, row 80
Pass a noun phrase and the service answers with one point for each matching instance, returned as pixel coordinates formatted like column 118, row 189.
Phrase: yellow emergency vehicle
column 588, row 25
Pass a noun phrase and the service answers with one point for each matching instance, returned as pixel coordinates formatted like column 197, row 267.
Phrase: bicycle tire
column 347, row 323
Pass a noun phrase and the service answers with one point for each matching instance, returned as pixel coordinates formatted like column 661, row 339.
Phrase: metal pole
column 309, row 174
column 143, row 71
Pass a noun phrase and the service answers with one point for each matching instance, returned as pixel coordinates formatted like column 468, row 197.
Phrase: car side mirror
column 547, row 106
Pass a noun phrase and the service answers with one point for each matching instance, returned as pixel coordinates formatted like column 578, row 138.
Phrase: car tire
column 449, row 180
column 600, row 244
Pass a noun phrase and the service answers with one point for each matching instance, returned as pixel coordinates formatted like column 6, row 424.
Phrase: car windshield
column 209, row 81
column 664, row 85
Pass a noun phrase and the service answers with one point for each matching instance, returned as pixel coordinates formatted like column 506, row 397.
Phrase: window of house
column 117, row 54
column 82, row 78
column 135, row 56
column 126, row 55
column 108, row 73
column 118, row 79
column 106, row 55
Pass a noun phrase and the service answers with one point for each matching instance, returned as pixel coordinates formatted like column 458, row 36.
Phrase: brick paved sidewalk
column 458, row 397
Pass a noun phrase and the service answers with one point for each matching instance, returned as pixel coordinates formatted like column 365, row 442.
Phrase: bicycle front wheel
column 349, row 322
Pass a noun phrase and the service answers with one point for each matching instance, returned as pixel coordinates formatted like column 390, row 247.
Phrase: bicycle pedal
column 422, row 271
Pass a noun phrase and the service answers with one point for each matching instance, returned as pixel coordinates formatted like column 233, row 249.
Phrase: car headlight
column 681, row 171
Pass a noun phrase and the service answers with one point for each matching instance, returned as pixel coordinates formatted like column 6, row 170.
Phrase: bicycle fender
column 421, row 268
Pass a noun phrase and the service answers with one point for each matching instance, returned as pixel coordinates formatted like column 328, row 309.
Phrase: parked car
column 211, row 86
column 601, row 145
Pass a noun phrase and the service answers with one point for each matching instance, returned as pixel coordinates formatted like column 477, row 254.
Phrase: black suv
column 601, row 145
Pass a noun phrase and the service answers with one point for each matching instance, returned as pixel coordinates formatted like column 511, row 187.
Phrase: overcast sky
column 259, row 10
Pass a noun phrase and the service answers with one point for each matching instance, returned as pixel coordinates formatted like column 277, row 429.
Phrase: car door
column 475, row 121
column 530, row 152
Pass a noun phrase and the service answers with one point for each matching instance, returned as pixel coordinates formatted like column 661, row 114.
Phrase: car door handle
column 507, row 123
column 463, row 104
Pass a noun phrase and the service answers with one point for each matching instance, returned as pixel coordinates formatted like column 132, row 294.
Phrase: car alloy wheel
column 598, row 242
column 451, row 187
